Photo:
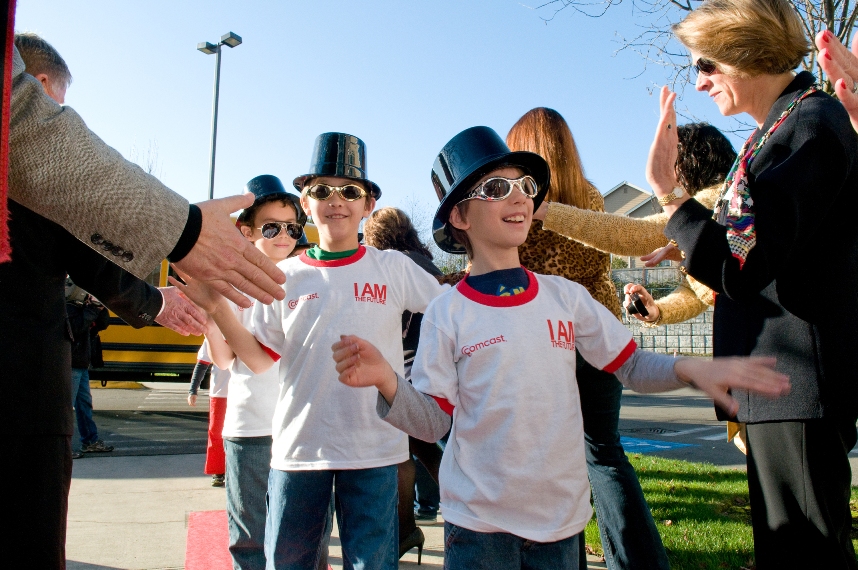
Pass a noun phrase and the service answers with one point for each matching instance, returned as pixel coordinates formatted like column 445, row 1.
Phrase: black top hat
column 469, row 156
column 268, row 188
column 342, row 155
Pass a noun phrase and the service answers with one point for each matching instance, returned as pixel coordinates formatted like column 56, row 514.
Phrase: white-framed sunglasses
column 499, row 188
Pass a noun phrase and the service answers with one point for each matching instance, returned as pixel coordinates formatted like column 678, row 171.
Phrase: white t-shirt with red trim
column 218, row 379
column 504, row 367
column 320, row 423
column 252, row 397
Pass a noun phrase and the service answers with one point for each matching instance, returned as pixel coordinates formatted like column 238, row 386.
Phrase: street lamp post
column 231, row 40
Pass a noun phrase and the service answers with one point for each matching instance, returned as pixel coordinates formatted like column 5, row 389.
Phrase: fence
column 693, row 336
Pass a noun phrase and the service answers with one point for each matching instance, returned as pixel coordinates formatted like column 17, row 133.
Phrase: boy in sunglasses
column 275, row 224
column 497, row 362
column 328, row 437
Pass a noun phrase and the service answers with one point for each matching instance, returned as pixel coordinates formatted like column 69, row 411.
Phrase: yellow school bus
column 153, row 353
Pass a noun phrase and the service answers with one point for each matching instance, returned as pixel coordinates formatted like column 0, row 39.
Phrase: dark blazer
column 35, row 359
column 796, row 297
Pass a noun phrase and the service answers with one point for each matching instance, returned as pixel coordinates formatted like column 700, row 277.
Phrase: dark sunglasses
column 349, row 192
column 704, row 66
column 495, row 189
column 272, row 229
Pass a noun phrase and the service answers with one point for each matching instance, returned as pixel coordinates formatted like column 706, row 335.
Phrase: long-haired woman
column 629, row 536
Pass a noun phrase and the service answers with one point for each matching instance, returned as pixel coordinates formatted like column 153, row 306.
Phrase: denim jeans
column 629, row 536
column 82, row 401
column 365, row 501
column 470, row 550
column 248, row 461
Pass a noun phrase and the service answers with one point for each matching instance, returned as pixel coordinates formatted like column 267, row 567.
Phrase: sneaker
column 217, row 480
column 425, row 516
column 96, row 447
column 76, row 454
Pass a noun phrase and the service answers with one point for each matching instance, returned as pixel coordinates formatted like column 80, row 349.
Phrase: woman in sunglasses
column 787, row 200
column 628, row 532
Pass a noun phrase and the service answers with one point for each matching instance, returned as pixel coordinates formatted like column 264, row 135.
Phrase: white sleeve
column 434, row 370
column 419, row 286
column 268, row 328
column 203, row 355
column 601, row 339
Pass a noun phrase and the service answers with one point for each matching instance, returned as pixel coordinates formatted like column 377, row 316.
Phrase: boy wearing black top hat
column 497, row 360
column 327, row 436
column 274, row 223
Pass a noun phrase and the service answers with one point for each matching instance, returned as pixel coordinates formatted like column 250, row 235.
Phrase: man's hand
column 227, row 260
column 717, row 376
column 841, row 67
column 180, row 314
column 360, row 365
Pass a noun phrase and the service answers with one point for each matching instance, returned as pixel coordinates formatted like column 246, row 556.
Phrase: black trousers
column 799, row 480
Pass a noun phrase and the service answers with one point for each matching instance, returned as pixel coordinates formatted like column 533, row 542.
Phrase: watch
column 675, row 194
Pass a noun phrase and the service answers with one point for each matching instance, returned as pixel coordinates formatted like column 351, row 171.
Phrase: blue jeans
column 629, row 536
column 365, row 501
column 427, row 495
column 248, row 461
column 470, row 550
column 82, row 402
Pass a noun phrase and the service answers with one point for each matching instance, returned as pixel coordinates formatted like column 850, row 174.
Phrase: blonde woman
column 785, row 214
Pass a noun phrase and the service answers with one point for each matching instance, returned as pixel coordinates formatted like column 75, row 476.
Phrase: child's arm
column 241, row 342
column 648, row 372
column 360, row 364
column 221, row 353
column 200, row 369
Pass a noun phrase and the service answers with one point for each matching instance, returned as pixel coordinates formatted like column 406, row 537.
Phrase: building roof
column 625, row 198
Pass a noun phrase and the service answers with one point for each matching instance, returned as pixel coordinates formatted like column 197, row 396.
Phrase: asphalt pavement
column 129, row 508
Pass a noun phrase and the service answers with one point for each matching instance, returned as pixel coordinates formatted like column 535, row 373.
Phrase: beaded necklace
column 735, row 207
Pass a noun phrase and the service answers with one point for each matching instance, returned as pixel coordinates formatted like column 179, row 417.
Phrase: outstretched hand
column 200, row 292
column 647, row 299
column 661, row 163
column 669, row 252
column 227, row 260
column 360, row 364
column 717, row 376
column 841, row 67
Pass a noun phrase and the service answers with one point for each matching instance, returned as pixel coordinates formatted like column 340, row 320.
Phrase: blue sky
column 405, row 76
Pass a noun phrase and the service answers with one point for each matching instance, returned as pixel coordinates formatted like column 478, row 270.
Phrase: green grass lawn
column 702, row 513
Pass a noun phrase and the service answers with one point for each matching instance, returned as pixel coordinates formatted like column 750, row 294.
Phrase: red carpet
column 208, row 540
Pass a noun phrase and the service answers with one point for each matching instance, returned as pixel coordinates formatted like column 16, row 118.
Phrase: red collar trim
column 353, row 258
column 494, row 300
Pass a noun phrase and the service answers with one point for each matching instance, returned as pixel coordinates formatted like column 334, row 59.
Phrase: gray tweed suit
column 60, row 169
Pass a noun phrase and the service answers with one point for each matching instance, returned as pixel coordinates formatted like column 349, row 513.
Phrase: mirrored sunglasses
column 349, row 192
column 272, row 229
column 704, row 66
column 495, row 189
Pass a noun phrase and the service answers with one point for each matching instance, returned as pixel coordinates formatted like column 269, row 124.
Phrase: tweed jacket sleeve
column 60, row 169
column 135, row 301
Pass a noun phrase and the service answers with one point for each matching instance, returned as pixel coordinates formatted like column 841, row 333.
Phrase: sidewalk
column 131, row 513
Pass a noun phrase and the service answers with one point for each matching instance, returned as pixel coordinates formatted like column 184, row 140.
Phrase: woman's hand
column 669, row 252
column 541, row 212
column 192, row 399
column 360, row 364
column 841, row 67
column 661, row 163
column 649, row 302
column 717, row 376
